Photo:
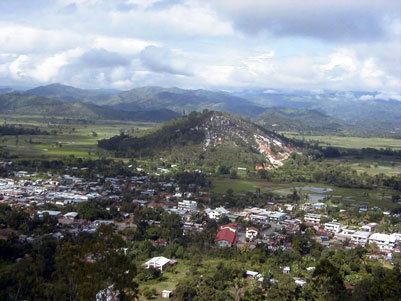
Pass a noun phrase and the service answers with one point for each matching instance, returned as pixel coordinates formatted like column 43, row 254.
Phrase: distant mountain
column 299, row 120
column 180, row 100
column 152, row 98
column 364, row 112
column 69, row 93
column 20, row 104
column 209, row 138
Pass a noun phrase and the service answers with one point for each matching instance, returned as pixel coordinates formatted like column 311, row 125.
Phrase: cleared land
column 347, row 196
column 389, row 166
column 66, row 137
column 350, row 142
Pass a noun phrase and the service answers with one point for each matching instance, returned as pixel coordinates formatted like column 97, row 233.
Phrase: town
column 151, row 201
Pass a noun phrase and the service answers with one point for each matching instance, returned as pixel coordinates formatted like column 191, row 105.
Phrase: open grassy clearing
column 78, row 139
column 174, row 274
column 387, row 165
column 350, row 142
column 170, row 278
column 347, row 196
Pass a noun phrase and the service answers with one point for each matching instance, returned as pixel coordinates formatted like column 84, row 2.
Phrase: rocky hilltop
column 212, row 137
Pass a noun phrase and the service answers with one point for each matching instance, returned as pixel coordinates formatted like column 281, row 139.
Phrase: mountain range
column 24, row 104
column 311, row 112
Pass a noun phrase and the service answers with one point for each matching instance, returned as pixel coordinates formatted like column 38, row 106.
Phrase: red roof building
column 226, row 238
column 231, row 226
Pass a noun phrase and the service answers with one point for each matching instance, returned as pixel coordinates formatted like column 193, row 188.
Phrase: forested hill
column 16, row 103
column 69, row 93
column 299, row 120
column 210, row 137
column 152, row 98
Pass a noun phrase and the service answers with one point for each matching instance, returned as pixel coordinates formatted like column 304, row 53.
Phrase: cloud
column 223, row 44
column 121, row 45
column 163, row 60
column 186, row 19
column 340, row 20
column 25, row 39
column 101, row 58
column 366, row 97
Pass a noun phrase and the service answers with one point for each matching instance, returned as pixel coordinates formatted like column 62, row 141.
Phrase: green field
column 66, row 138
column 347, row 196
column 350, row 142
column 389, row 166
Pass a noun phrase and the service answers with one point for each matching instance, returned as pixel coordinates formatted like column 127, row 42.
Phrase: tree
column 327, row 282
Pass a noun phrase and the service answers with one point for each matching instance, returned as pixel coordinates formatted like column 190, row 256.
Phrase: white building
column 158, row 263
column 277, row 216
column 369, row 227
column 360, row 237
column 251, row 233
column 216, row 213
column 71, row 215
column 54, row 213
column 319, row 206
column 187, row 205
column 312, row 218
column 383, row 241
column 333, row 227
column 166, row 294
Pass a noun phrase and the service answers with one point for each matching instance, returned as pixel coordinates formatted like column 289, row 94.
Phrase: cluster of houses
column 271, row 225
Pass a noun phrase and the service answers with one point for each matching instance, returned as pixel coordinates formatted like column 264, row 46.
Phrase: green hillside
column 15, row 103
column 209, row 138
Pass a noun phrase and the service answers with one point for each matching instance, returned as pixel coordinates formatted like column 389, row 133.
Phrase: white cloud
column 25, row 39
column 191, row 43
column 190, row 19
column 49, row 68
column 121, row 45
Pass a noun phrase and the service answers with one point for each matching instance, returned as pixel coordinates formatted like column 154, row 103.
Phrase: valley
column 169, row 190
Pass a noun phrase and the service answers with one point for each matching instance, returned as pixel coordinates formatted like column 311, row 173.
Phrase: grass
column 173, row 275
column 389, row 166
column 170, row 278
column 348, row 196
column 65, row 139
column 350, row 142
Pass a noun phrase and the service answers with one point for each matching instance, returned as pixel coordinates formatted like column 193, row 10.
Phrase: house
column 333, row 227
column 227, row 235
column 166, row 294
column 369, row 227
column 216, row 213
column 286, row 270
column 319, row 206
column 231, row 226
column 254, row 275
column 251, row 233
column 159, row 263
column 49, row 212
column 299, row 281
column 187, row 205
column 385, row 242
column 312, row 218
column 71, row 215
column 276, row 216
column 360, row 237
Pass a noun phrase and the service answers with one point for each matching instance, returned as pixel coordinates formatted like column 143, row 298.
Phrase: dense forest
column 13, row 130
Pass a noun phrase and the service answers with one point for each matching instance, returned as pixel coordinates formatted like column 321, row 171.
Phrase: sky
column 218, row 44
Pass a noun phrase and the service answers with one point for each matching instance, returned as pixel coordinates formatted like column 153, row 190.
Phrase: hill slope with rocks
column 210, row 138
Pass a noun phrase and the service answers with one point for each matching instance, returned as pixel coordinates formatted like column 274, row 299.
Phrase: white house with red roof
column 251, row 233
column 227, row 235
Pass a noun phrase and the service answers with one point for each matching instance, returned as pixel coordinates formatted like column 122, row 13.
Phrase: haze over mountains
column 281, row 110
